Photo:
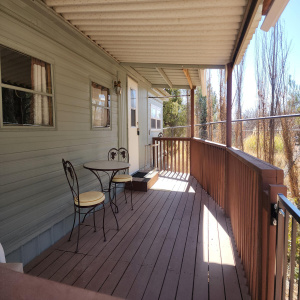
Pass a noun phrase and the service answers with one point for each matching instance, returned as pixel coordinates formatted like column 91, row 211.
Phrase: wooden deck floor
column 175, row 244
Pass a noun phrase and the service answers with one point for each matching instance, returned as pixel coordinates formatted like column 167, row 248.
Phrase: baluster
column 172, row 156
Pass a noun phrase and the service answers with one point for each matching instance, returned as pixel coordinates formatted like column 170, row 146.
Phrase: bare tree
column 209, row 106
column 261, row 84
column 287, row 106
column 275, row 93
column 275, row 55
column 222, row 107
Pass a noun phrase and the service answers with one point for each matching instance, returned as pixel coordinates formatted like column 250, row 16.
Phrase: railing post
column 269, row 242
column 228, row 131
column 229, row 103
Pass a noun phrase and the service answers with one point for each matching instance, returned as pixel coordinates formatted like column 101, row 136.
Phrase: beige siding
column 153, row 133
column 143, row 123
column 35, row 202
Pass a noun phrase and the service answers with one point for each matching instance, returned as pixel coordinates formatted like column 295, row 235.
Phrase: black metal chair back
column 113, row 154
column 72, row 179
column 123, row 154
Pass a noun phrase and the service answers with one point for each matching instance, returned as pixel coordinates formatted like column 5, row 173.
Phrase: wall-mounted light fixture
column 118, row 87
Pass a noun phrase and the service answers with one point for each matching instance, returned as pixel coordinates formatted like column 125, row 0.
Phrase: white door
column 133, row 124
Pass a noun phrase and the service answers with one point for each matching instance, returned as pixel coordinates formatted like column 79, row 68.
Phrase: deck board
column 175, row 244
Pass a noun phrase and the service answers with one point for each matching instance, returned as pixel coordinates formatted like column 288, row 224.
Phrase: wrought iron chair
column 121, row 154
column 88, row 200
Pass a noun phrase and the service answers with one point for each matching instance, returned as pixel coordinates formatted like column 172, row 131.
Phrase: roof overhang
column 167, row 42
column 273, row 13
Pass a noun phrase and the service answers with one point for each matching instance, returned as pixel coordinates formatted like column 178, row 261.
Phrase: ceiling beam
column 164, row 92
column 165, row 77
column 188, row 77
column 202, row 77
column 165, row 86
column 171, row 66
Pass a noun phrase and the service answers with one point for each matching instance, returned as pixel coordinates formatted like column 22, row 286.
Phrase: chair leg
column 125, row 193
column 94, row 220
column 78, row 231
column 73, row 225
column 131, row 195
column 116, row 209
column 103, row 222
column 114, row 215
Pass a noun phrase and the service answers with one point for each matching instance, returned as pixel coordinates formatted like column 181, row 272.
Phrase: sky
column 291, row 20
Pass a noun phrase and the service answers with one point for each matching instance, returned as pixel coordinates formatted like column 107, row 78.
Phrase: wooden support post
column 192, row 113
column 228, row 132
column 229, row 103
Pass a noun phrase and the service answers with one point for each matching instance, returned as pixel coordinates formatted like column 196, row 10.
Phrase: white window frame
column 157, row 109
column 4, row 85
column 105, row 107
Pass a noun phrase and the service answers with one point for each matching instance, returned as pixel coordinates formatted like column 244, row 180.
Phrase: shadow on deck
column 175, row 244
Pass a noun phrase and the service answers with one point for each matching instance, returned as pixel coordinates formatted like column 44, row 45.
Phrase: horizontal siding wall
column 158, row 103
column 143, row 124
column 35, row 202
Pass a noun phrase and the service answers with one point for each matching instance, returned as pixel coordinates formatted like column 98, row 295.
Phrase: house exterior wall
column 36, row 205
column 153, row 133
column 143, row 124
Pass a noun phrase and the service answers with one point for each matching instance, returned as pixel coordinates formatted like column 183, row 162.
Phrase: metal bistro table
column 111, row 168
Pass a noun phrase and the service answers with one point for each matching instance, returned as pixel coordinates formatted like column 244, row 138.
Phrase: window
column 100, row 106
column 26, row 87
column 155, row 117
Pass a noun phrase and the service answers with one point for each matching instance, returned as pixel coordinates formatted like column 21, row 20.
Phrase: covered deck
column 177, row 243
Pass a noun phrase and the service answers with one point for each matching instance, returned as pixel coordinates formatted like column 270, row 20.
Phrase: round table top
column 106, row 165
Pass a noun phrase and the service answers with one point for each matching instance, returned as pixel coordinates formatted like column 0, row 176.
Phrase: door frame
column 129, row 78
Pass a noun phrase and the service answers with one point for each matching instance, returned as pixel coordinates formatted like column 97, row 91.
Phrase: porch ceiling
column 159, row 39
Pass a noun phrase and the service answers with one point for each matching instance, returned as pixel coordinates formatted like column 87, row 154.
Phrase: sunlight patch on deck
column 170, row 181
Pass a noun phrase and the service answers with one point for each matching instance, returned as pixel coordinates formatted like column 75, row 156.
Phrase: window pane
column 22, row 108
column 133, row 118
column 133, row 98
column 100, row 95
column 100, row 106
column 159, row 113
column 100, row 117
column 21, row 70
column 153, row 123
column 158, row 124
column 153, row 112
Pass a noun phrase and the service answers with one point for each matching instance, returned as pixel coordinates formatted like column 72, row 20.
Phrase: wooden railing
column 208, row 167
column 172, row 154
column 244, row 187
